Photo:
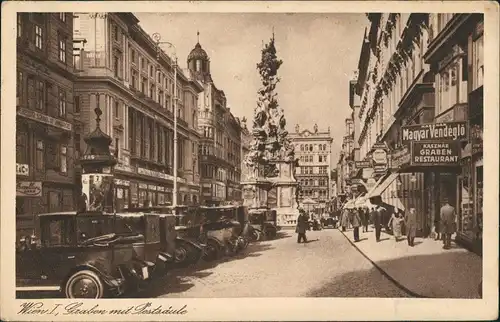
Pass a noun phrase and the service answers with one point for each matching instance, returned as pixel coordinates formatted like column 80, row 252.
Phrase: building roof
column 197, row 53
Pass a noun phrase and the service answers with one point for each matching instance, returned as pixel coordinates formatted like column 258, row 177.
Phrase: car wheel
column 84, row 284
column 180, row 254
column 256, row 235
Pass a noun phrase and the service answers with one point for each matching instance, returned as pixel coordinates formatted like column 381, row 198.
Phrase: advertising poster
column 97, row 192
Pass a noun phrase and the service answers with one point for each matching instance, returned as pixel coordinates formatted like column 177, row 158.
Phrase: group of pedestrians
column 400, row 223
column 377, row 214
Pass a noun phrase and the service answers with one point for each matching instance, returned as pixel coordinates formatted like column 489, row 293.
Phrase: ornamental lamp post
column 157, row 37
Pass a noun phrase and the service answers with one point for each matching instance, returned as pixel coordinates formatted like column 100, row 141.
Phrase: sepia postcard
column 249, row 160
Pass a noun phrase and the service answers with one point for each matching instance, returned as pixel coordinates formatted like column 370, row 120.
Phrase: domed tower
column 199, row 63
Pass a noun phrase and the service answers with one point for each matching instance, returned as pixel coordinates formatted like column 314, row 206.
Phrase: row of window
column 47, row 154
column 323, row 194
column 310, row 158
column 313, row 182
column 312, row 170
column 39, row 93
column 312, row 147
column 38, row 37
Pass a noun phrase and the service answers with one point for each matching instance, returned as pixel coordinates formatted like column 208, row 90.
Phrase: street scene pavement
column 327, row 266
column 421, row 269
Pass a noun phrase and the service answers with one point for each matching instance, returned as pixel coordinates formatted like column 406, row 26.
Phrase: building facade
column 313, row 149
column 424, row 73
column 45, row 115
column 345, row 163
column 121, row 69
column 220, row 136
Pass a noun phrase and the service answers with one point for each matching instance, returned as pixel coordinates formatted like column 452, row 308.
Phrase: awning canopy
column 382, row 185
column 369, row 194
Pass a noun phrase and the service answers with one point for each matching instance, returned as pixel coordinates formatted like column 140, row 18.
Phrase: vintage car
column 217, row 231
column 77, row 255
column 179, row 232
column 263, row 223
column 151, row 249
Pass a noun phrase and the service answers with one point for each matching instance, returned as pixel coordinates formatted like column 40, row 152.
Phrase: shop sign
column 160, row 188
column 476, row 134
column 120, row 182
column 400, row 157
column 434, row 132
column 380, row 145
column 22, row 169
column 379, row 156
column 362, row 164
column 152, row 187
column 156, row 174
column 432, row 154
column 28, row 189
column 42, row 118
column 380, row 168
column 143, row 186
column 124, row 168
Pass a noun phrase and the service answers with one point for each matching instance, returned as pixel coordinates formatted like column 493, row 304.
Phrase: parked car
column 77, row 255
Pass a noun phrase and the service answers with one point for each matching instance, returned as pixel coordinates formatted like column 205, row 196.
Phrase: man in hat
column 448, row 224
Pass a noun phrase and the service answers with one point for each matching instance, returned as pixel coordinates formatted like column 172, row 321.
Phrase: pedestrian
column 364, row 218
column 302, row 225
column 448, row 225
column 377, row 215
column 396, row 222
column 345, row 219
column 411, row 226
column 356, row 222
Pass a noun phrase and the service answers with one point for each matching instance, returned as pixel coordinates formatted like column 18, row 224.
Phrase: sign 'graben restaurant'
column 441, row 132
column 432, row 154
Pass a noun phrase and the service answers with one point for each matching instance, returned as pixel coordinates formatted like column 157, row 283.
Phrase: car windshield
column 129, row 224
column 91, row 227
column 58, row 231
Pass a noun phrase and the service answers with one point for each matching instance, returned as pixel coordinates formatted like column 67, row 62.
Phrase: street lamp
column 157, row 38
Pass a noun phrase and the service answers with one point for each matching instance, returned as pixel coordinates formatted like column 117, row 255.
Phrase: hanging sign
column 362, row 164
column 432, row 154
column 476, row 134
column 452, row 131
column 379, row 156
column 28, row 189
column 22, row 169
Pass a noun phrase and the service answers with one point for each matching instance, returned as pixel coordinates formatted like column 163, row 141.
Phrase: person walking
column 344, row 221
column 364, row 218
column 378, row 214
column 411, row 226
column 448, row 225
column 302, row 225
column 356, row 222
column 396, row 222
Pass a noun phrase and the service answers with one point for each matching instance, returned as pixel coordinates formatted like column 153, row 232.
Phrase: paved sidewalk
column 425, row 269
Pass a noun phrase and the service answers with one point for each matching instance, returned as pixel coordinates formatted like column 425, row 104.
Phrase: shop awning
column 369, row 194
column 379, row 188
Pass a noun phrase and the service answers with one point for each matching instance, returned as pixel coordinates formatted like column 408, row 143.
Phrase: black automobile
column 263, row 224
column 179, row 232
column 77, row 255
column 151, row 249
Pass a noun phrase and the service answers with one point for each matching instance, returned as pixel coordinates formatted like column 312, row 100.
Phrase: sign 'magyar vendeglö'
column 435, row 132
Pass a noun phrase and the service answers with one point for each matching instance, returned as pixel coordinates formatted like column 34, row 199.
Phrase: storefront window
column 142, row 198
column 478, row 62
column 465, row 211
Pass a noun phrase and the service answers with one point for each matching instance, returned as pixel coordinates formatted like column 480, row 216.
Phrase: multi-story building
column 425, row 73
column 313, row 149
column 121, row 69
column 45, row 112
column 220, row 141
column 345, row 163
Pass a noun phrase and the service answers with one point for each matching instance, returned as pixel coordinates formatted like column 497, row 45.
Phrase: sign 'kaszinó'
column 435, row 132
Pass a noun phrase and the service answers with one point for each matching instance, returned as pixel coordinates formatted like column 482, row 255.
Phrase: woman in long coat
column 396, row 221
column 411, row 226
column 344, row 221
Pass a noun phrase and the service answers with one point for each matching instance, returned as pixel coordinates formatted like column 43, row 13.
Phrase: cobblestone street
column 327, row 266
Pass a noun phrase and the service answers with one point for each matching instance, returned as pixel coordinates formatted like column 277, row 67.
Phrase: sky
column 320, row 53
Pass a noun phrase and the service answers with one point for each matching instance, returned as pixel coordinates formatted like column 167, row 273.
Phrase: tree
column 270, row 138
